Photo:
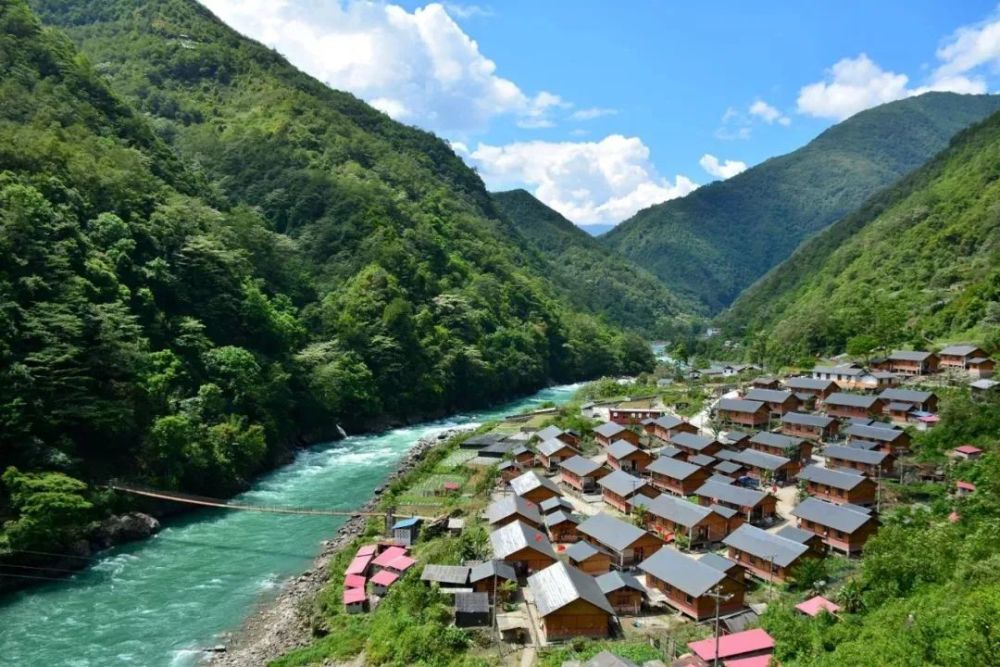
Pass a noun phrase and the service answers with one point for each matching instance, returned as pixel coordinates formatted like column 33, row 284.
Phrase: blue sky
column 603, row 108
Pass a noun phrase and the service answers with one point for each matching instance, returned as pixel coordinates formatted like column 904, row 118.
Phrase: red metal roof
column 813, row 606
column 384, row 578
column 965, row 486
column 401, row 563
column 968, row 449
column 367, row 550
column 451, row 486
column 358, row 565
column 734, row 645
column 354, row 581
column 389, row 555
column 354, row 595
column 754, row 661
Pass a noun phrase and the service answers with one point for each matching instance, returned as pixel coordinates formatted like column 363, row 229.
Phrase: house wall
column 862, row 494
column 564, row 532
column 761, row 567
column 528, row 561
column 871, row 470
column 511, row 519
column 599, row 563
column 627, row 435
column 635, row 462
column 699, row 608
column 665, row 434
column 680, row 487
column 577, row 619
column 754, row 420
column 849, row 543
column 540, row 495
column 851, row 412
column 626, row 601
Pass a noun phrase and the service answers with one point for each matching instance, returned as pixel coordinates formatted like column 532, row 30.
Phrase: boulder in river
column 126, row 528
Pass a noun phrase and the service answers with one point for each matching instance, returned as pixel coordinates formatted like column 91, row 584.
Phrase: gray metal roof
column 718, row 562
column 622, row 483
column 615, row 580
column 765, row 545
column 552, row 504
column 723, row 511
column 530, row 481
column 835, row 478
column 909, row 355
column 549, row 432
column 900, row 407
column 504, row 507
column 580, row 465
column 856, row 454
column 794, row 534
column 621, row 448
column 559, row 517
column 727, row 493
column 769, row 439
column 692, row 441
column 721, row 479
column 768, row 395
column 611, row 531
column 725, row 454
column 609, row 429
column 492, row 568
column 882, row 434
column 683, row 572
column 830, row 515
column 850, row 400
column 739, row 405
column 470, row 602
column 672, row 468
column 516, row 536
column 608, row 659
column 806, row 420
column 959, row 350
column 668, row 452
column 559, row 585
column 456, row 575
column 814, row 384
column 861, row 444
column 581, row 551
column 701, row 460
column 668, row 421
column 552, row 446
column 763, row 460
column 498, row 449
column 678, row 510
column 728, row 467
column 906, row 395
column 735, row 436
column 839, row 370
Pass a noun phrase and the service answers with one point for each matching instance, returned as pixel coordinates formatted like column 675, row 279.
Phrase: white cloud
column 468, row 11
column 594, row 182
column 768, row 113
column 969, row 48
column 419, row 66
column 592, row 113
column 722, row 170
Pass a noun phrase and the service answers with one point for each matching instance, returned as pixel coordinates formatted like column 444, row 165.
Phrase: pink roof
column 451, row 486
column 354, row 581
column 965, row 486
column 389, row 555
column 358, row 565
column 367, row 550
column 734, row 645
column 929, row 419
column 354, row 595
column 401, row 564
column 384, row 578
column 813, row 606
column 968, row 449
column 954, row 517
column 755, row 661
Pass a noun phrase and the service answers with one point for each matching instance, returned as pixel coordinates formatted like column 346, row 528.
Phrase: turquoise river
column 159, row 601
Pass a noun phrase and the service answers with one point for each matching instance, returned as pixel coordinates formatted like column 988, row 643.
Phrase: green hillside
column 598, row 279
column 184, row 325
column 920, row 262
column 719, row 239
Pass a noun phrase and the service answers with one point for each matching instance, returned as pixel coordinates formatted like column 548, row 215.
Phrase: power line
column 39, row 567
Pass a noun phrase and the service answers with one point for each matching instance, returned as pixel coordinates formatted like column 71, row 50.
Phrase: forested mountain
column 716, row 241
column 919, row 262
column 598, row 278
column 183, row 325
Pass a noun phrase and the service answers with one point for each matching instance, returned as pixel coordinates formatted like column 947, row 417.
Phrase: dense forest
column 718, row 240
column 918, row 264
column 188, row 290
column 597, row 277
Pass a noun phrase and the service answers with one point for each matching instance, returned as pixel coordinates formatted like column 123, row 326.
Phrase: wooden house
column 525, row 548
column 382, row 581
column 734, row 440
column 633, row 415
column 677, row 477
column 981, row 367
column 668, row 516
column 817, row 388
column 766, row 468
column 619, row 488
column 570, row 603
column 623, row 455
column 765, row 555
column 557, row 504
column 797, row 450
column 582, row 473
column 627, row 544
column 624, row 592
column 446, row 576
column 510, row 509
column 749, row 648
column 911, row 362
column 472, row 610
column 765, row 382
column 552, row 452
column 883, row 436
column 926, row 401
column 687, row 582
column 853, row 377
column 811, row 427
column 510, row 470
column 870, row 462
column 667, row 426
column 693, row 444
column 554, row 432
column 813, row 541
column 778, row 401
column 490, row 576
column 958, row 356
column 967, row 452
column 588, row 558
column 842, row 528
column 853, row 406
column 561, row 526
column 754, row 506
column 534, row 488
column 838, row 486
column 406, row 531
column 608, row 432
column 753, row 414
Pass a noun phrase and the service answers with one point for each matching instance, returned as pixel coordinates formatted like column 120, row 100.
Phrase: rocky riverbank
column 282, row 624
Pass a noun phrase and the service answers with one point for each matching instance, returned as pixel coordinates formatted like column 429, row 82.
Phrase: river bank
column 282, row 624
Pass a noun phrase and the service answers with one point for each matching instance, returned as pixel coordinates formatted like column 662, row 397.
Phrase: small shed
column 406, row 531
column 355, row 600
column 382, row 581
column 446, row 576
column 814, row 606
column 472, row 610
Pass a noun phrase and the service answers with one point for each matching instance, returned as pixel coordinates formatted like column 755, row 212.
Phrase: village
column 669, row 533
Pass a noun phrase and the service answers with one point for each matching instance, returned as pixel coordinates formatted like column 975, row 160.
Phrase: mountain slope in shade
column 716, row 241
column 919, row 263
column 598, row 278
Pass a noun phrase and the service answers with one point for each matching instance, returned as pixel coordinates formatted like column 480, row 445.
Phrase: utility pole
column 770, row 578
column 719, row 597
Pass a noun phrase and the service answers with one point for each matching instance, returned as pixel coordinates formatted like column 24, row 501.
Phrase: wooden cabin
column 667, row 426
column 883, row 436
column 509, row 509
column 525, row 548
column 589, row 558
column 552, row 452
column 627, row 544
column 623, row 455
column 810, row 427
column 766, row 468
column 669, row 516
column 490, row 576
column 869, row 462
column 624, row 592
column 561, row 526
column 754, row 506
column 677, row 477
column 926, row 401
column 981, row 367
column 687, row 582
column 765, row 382
column 958, row 356
column 534, row 488
column 838, row 486
column 842, row 528
column 853, row 406
column 796, row 450
column 619, row 489
column 815, row 387
column 911, row 362
column 609, row 432
column 582, row 474
column 554, row 432
column 631, row 416
column 753, row 414
column 778, row 401
column 570, row 604
column 765, row 555
column 694, row 444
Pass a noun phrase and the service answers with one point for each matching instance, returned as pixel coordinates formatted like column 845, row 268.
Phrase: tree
column 51, row 509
